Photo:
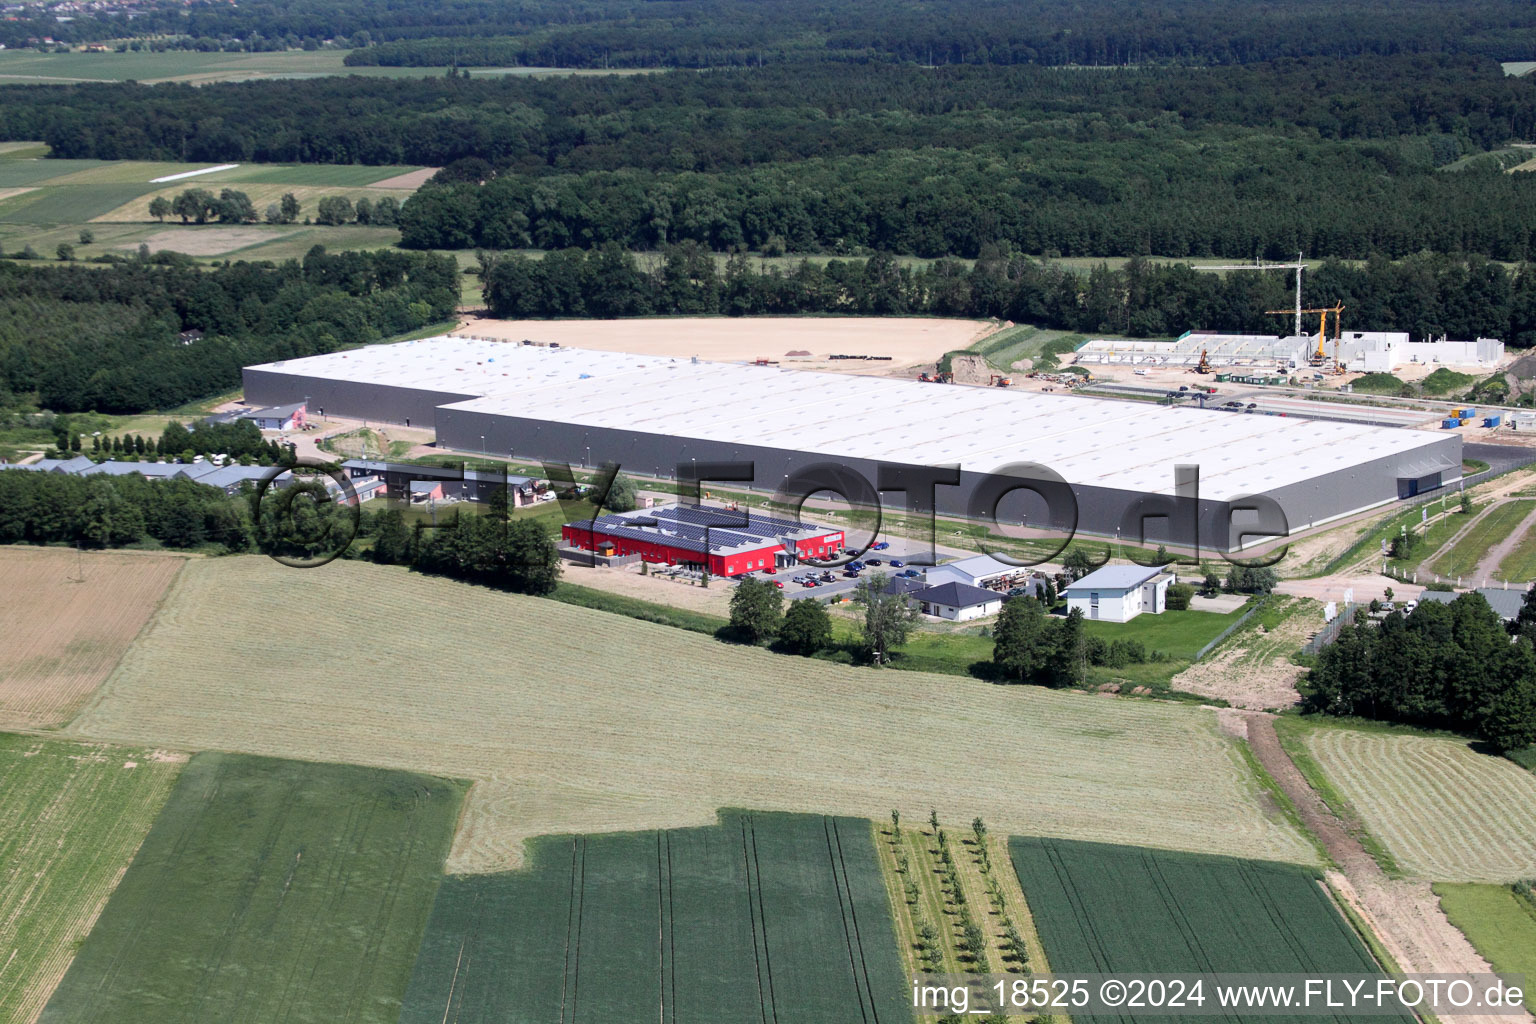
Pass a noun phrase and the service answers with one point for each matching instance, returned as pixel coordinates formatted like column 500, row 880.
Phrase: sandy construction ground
column 574, row 720
column 67, row 619
column 909, row 341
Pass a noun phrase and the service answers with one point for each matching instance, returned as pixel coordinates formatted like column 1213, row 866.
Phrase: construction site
column 1330, row 351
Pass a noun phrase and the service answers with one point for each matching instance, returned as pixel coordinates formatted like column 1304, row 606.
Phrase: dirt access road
column 1405, row 915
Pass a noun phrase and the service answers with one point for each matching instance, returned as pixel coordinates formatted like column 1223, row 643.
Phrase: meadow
column 1499, row 922
column 1125, row 909
column 1464, row 556
column 573, row 720
column 1442, row 810
column 762, row 917
column 71, row 817
column 68, row 619
column 47, row 202
column 268, row 891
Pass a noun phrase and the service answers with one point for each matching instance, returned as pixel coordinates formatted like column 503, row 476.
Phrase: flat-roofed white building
column 653, row 415
column 1119, row 593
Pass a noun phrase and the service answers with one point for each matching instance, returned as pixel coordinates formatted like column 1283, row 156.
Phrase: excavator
column 937, row 378
column 1204, row 365
column 998, row 380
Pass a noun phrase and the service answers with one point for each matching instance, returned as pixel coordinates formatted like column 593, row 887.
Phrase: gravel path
column 1405, row 915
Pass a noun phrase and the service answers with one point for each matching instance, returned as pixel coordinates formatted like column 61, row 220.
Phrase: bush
column 1179, row 596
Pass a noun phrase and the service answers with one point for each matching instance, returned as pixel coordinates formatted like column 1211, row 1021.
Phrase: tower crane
column 1298, row 266
column 1318, row 357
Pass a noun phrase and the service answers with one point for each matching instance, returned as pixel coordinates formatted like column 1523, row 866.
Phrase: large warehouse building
column 652, row 415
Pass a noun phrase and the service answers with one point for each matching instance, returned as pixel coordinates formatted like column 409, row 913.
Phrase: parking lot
column 898, row 549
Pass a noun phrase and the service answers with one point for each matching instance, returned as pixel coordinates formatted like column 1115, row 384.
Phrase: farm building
column 713, row 539
column 958, row 601
column 976, row 571
column 1507, row 603
column 1119, row 593
column 1109, row 466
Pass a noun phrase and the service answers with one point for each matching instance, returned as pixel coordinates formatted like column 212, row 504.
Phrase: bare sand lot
column 66, row 619
column 909, row 341
column 410, row 179
column 575, row 720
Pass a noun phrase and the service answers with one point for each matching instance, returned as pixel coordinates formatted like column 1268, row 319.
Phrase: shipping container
column 1492, row 421
column 1468, row 412
column 1450, row 423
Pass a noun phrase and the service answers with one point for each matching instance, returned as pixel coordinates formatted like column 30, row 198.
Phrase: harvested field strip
column 658, row 728
column 68, row 619
column 1443, row 811
column 1125, row 909
column 71, row 817
column 760, row 918
column 269, row 891
column 260, row 194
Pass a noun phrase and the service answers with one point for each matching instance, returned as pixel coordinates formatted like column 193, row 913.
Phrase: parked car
column 910, row 574
column 897, row 563
column 851, row 574
column 777, row 584
column 827, row 577
column 1253, row 405
column 881, row 545
column 809, row 583
column 770, row 570
column 875, row 561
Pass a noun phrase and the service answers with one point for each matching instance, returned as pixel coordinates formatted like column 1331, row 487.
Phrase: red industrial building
column 714, row 539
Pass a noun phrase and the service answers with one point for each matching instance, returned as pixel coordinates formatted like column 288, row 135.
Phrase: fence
column 1250, row 613
column 1330, row 632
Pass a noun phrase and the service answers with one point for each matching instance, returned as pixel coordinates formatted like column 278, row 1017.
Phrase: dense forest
column 1444, row 666
column 700, row 33
column 1425, row 295
column 136, row 335
column 1345, row 158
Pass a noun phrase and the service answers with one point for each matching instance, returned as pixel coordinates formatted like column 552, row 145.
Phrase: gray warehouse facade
column 1101, row 467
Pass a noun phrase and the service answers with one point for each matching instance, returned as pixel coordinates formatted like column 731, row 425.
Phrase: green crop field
column 20, row 172
column 271, row 891
column 762, row 917
column 71, row 817
column 1500, row 923
column 69, row 204
column 1465, row 554
column 1128, row 909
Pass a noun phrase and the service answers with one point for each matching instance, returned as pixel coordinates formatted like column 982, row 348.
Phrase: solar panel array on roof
column 687, row 526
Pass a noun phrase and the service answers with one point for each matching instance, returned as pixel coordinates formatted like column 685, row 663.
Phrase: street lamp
column 482, row 444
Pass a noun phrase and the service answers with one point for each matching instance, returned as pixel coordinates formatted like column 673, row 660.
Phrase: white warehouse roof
column 1124, row 445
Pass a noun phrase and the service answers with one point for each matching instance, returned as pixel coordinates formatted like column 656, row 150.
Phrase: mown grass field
column 1126, row 909
column 1465, row 554
column 1442, row 810
column 68, row 619
column 1499, row 922
column 575, row 720
column 271, row 891
column 71, row 817
column 762, row 917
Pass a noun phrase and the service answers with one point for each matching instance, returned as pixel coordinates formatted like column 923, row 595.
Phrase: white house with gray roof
column 1119, row 593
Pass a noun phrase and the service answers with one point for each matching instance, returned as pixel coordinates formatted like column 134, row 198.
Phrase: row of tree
column 231, row 206
column 1448, row 666
column 705, row 33
column 134, row 336
column 1424, row 295
column 117, row 511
